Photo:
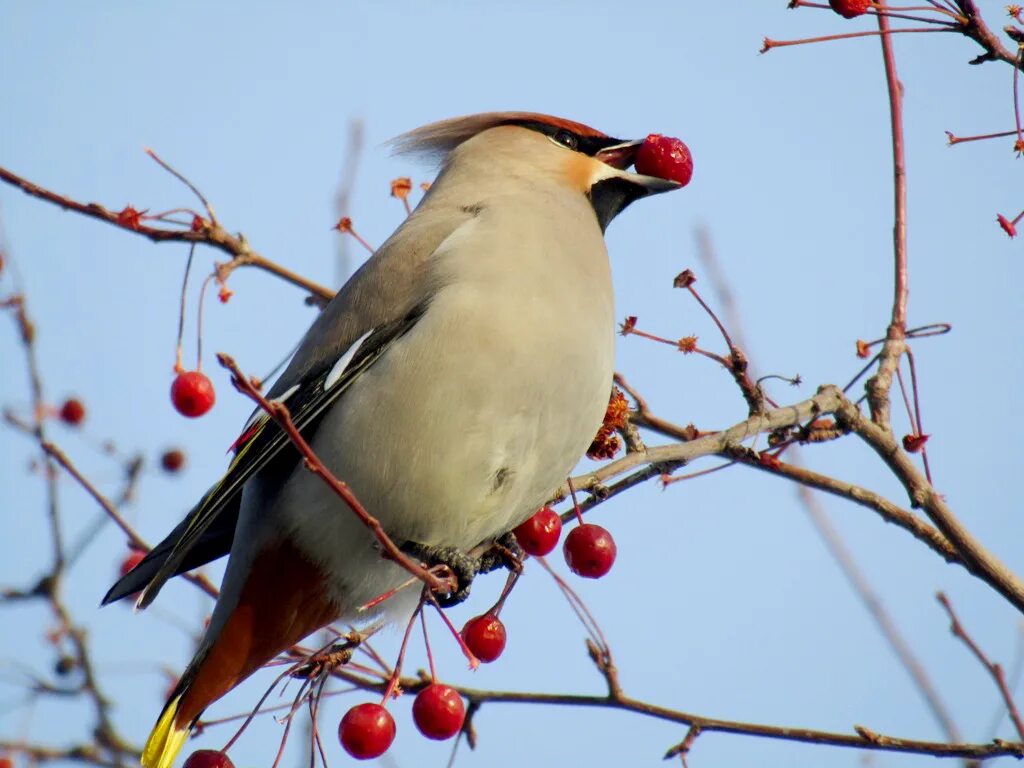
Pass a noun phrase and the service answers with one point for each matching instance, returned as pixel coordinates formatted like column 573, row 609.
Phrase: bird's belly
column 458, row 433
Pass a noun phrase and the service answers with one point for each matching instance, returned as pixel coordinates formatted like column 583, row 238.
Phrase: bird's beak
column 623, row 155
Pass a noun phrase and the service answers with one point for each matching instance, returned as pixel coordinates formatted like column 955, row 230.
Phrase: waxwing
column 453, row 382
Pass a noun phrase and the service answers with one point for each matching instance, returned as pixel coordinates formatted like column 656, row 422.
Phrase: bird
column 453, row 383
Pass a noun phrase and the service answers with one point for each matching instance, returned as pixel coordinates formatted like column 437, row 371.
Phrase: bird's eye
column 567, row 139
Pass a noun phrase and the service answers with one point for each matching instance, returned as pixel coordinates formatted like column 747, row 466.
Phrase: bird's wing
column 213, row 544
column 263, row 440
column 381, row 302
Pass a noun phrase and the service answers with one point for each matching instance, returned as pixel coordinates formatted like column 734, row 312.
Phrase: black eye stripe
column 588, row 145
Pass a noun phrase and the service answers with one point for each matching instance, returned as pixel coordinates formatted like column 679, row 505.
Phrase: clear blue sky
column 724, row 601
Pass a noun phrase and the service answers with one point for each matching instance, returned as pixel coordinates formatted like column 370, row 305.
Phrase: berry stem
column 575, row 502
column 954, row 140
column 474, row 662
column 768, row 43
column 429, row 650
column 178, row 367
column 199, row 321
column 513, row 577
column 917, row 411
column 180, row 177
column 396, row 673
column 578, row 606
column 1016, row 95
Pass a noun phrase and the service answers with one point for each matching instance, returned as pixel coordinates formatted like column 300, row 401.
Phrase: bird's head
column 532, row 145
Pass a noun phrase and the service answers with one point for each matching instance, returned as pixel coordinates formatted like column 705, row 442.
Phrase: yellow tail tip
column 166, row 739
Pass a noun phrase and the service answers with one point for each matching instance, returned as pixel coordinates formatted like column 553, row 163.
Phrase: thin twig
column 995, row 670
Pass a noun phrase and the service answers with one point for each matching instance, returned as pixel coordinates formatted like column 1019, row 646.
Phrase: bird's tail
column 282, row 599
column 166, row 739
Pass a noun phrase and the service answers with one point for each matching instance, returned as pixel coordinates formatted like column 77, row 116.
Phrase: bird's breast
column 469, row 422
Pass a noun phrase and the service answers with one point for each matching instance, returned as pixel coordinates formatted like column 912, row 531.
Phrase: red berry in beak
column 849, row 9
column 665, row 157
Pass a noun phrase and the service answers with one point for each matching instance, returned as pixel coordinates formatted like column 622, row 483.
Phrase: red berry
column 208, row 758
column 172, row 460
column 192, row 394
column 366, row 731
column 849, row 9
column 539, row 535
column 72, row 412
column 485, row 636
column 438, row 712
column 589, row 551
column 133, row 559
column 665, row 157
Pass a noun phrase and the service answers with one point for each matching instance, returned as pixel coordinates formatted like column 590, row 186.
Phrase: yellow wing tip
column 166, row 739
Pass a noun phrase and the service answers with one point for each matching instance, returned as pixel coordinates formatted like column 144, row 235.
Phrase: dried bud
column 687, row 344
column 627, row 326
column 606, row 444
column 225, row 294
column 344, row 224
column 1014, row 34
column 914, row 443
column 684, row 279
column 863, row 349
column 198, row 224
column 1007, row 225
column 130, row 218
column 618, row 408
column 401, row 187
column 768, row 460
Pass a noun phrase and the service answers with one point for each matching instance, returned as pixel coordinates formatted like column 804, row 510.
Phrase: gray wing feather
column 382, row 291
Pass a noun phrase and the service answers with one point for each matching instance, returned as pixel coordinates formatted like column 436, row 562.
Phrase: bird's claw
column 462, row 566
column 505, row 552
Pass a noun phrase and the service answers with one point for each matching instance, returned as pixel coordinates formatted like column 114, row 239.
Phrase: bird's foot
column 464, row 567
column 505, row 552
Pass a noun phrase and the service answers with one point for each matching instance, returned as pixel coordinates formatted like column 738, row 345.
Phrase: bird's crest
column 440, row 138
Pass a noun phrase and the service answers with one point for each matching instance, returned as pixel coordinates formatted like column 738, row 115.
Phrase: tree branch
column 207, row 233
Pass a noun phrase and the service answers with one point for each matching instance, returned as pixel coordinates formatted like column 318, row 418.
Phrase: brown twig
column 135, row 541
column 976, row 557
column 862, row 738
column 882, row 618
column 889, row 512
column 878, row 386
column 209, row 233
column 995, row 670
column 976, row 29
